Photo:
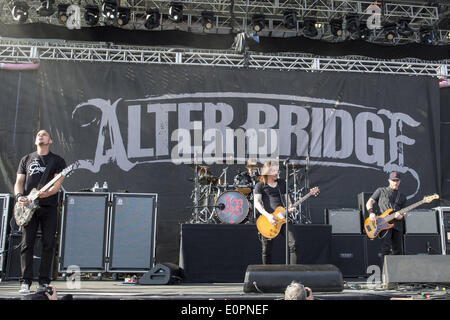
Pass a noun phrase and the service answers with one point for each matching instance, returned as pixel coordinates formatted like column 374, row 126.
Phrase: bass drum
column 232, row 207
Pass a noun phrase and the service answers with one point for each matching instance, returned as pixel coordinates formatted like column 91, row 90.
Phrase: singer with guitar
column 35, row 170
column 270, row 194
column 387, row 198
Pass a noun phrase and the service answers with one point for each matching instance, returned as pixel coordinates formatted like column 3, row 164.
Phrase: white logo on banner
column 273, row 125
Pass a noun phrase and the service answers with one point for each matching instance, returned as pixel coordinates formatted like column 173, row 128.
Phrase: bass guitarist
column 35, row 170
column 387, row 198
column 270, row 194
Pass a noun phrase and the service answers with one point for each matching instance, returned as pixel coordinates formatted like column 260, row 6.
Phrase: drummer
column 244, row 181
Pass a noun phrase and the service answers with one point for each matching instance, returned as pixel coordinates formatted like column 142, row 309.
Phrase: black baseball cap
column 394, row 176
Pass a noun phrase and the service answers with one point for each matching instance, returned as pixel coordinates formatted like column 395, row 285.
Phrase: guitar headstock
column 69, row 169
column 428, row 199
column 314, row 191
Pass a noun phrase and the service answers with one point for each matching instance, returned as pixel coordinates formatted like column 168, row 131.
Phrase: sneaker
column 24, row 288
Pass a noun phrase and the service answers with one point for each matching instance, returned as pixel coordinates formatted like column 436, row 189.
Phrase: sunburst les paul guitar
column 383, row 221
column 269, row 230
column 24, row 212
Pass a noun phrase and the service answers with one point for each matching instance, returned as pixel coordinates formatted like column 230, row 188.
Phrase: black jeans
column 47, row 218
column 267, row 245
column 393, row 239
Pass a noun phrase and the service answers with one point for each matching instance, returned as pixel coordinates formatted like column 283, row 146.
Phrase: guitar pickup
column 368, row 228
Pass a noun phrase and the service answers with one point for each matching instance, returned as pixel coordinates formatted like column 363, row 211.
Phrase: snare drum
column 236, row 207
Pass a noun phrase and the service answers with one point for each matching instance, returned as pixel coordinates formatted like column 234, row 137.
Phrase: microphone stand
column 286, row 162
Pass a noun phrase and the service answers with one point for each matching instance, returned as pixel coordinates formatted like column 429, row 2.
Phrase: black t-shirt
column 271, row 197
column 33, row 166
column 388, row 198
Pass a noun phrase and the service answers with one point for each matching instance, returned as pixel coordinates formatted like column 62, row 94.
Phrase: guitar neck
column 302, row 199
column 51, row 183
column 404, row 210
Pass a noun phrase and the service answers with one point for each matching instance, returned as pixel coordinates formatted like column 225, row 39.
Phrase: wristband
column 18, row 196
column 371, row 211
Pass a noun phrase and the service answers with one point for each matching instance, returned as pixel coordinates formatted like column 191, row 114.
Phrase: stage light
column 258, row 22
column 62, row 12
column 20, row 11
column 207, row 20
column 364, row 32
column 91, row 15
column 290, row 20
column 390, row 31
column 123, row 16
column 109, row 9
column 309, row 28
column 176, row 12
column 336, row 27
column 353, row 23
column 46, row 9
column 152, row 18
column 404, row 29
column 426, row 35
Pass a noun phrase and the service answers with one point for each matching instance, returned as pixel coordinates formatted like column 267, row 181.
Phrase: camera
column 45, row 289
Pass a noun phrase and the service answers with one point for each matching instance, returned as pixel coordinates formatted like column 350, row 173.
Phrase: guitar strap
column 46, row 172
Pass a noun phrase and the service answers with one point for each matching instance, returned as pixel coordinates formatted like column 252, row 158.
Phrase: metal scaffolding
column 32, row 51
column 235, row 16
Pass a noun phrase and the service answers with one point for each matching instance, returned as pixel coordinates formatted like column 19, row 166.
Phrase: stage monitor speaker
column 422, row 244
column 166, row 273
column 84, row 231
column 132, row 232
column 363, row 197
column 416, row 269
column 13, row 268
column 421, row 221
column 275, row 277
column 6, row 203
column 344, row 220
column 348, row 254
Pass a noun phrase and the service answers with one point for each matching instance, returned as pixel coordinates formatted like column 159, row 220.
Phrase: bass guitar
column 383, row 221
column 24, row 212
column 269, row 230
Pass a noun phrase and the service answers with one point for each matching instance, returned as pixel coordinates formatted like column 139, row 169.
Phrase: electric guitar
column 383, row 222
column 24, row 212
column 269, row 230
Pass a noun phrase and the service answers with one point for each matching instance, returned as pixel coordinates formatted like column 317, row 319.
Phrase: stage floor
column 354, row 289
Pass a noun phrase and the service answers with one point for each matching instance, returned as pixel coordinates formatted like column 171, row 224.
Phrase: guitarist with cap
column 387, row 198
column 270, row 194
column 35, row 170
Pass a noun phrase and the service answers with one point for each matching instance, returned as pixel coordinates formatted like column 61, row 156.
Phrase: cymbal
column 252, row 166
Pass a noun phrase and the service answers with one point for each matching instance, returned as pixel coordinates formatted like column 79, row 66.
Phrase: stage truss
column 33, row 51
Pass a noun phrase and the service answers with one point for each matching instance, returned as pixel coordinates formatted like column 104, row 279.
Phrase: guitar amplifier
column 344, row 220
column 421, row 221
column 6, row 204
column 349, row 255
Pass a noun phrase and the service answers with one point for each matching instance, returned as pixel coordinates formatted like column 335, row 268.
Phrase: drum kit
column 216, row 201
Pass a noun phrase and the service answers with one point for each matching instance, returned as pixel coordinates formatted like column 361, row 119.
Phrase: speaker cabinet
column 167, row 273
column 275, row 278
column 84, row 231
column 344, row 221
column 349, row 255
column 13, row 267
column 422, row 244
column 132, row 232
column 416, row 269
column 6, row 203
column 421, row 221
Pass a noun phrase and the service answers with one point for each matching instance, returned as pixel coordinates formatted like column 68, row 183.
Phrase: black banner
column 138, row 127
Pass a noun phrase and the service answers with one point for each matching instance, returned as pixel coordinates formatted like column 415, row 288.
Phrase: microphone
column 285, row 162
